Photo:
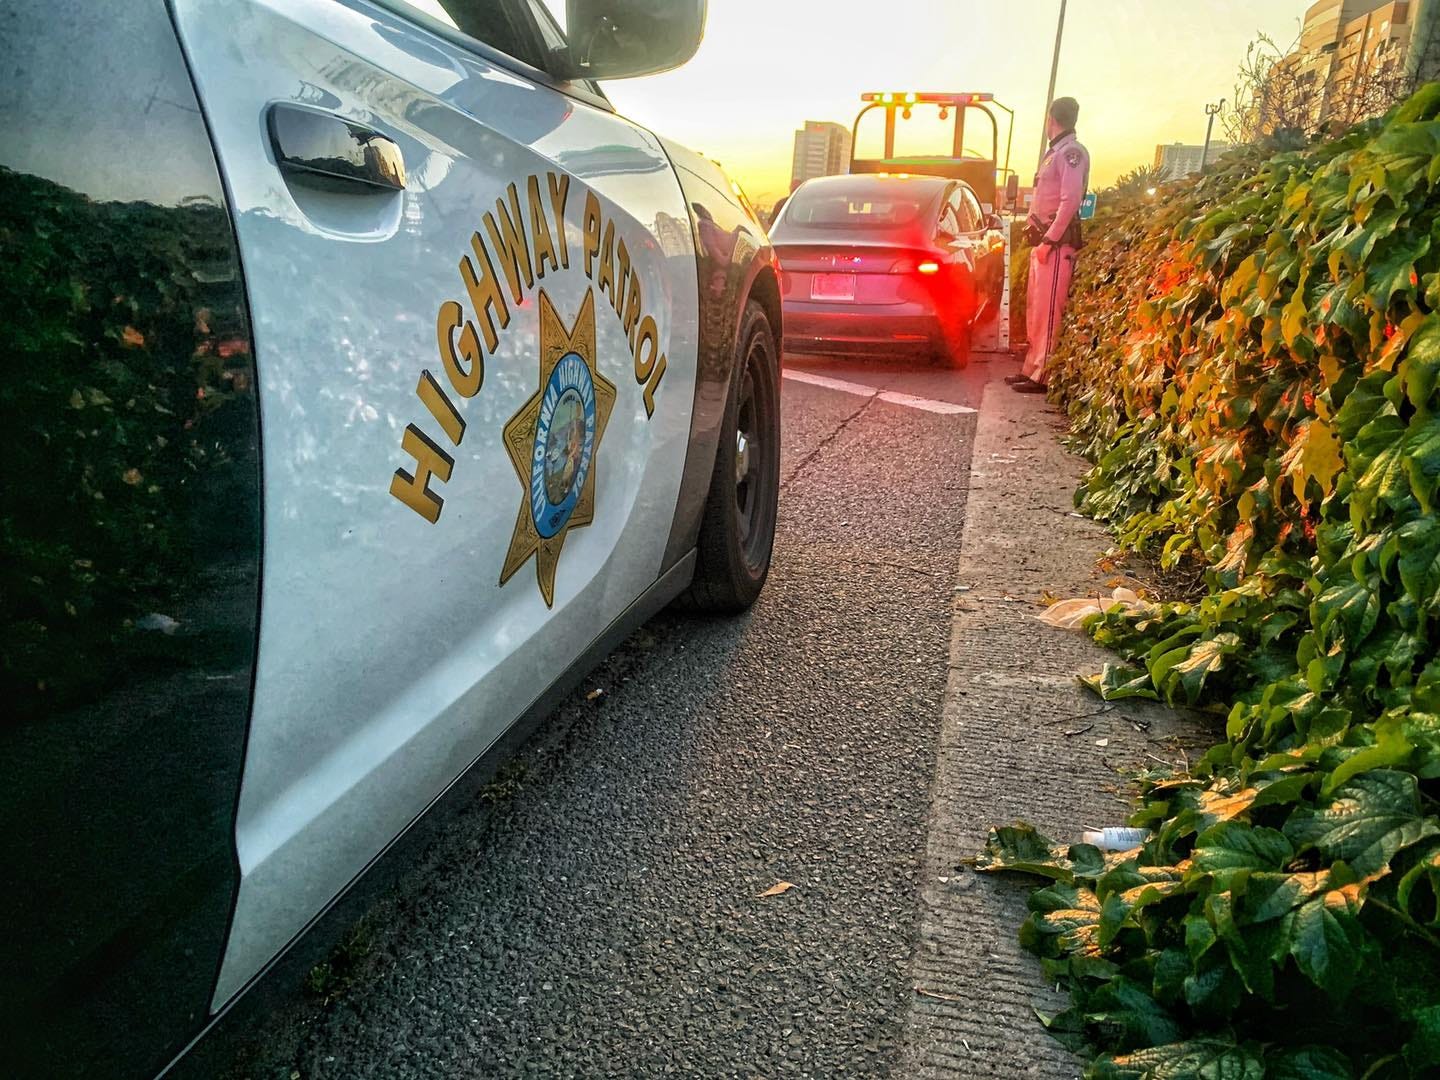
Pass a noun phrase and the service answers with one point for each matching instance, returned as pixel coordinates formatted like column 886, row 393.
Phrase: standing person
column 1054, row 230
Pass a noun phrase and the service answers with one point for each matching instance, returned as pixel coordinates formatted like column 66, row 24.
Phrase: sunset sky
column 1142, row 70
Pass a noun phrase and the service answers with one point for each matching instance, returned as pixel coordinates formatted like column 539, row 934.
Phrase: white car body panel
column 390, row 656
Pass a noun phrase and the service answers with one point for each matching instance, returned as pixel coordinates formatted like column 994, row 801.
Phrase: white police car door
column 474, row 306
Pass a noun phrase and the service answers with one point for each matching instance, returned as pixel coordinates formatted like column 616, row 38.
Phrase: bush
column 1252, row 368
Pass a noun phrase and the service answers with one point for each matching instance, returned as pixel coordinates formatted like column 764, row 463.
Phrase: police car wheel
column 737, row 532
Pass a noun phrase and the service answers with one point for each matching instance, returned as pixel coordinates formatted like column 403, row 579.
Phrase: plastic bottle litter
column 1116, row 838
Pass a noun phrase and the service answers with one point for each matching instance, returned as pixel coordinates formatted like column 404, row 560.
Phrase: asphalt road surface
column 602, row 911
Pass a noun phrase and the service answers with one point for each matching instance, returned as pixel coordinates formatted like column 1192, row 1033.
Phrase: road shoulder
column 1019, row 739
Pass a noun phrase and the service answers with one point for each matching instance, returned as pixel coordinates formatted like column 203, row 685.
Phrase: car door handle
column 326, row 151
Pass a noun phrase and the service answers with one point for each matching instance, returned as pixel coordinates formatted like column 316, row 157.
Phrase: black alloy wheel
column 737, row 532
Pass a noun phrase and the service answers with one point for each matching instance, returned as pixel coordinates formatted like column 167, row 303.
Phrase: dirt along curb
column 1020, row 739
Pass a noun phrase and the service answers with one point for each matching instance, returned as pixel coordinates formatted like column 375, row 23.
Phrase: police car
column 367, row 379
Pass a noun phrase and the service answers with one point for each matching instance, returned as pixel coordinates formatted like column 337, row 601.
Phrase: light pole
column 1211, row 111
column 1050, row 93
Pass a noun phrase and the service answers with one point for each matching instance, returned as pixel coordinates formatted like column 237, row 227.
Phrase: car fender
column 734, row 263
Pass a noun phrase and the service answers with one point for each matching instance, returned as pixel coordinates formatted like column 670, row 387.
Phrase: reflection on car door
column 475, row 397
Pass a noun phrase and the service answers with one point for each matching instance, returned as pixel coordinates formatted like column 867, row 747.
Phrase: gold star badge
column 553, row 441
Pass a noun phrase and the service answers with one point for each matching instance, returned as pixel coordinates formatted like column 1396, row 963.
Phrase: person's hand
column 1042, row 253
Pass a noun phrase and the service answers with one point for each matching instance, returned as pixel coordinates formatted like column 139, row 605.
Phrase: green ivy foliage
column 1252, row 368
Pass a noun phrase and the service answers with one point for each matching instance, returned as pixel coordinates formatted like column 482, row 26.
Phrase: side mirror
column 1012, row 190
column 619, row 39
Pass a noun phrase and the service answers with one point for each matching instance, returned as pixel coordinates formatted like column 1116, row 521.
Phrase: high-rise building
column 821, row 149
column 1175, row 161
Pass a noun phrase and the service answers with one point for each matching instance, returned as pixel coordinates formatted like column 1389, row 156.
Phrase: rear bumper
column 830, row 329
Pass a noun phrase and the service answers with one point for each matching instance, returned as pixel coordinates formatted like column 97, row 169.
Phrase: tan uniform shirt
column 1060, row 186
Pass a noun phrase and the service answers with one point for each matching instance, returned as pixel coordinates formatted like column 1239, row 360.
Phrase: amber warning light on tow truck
column 911, row 98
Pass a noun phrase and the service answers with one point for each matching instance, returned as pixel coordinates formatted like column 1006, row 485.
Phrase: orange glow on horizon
column 1142, row 70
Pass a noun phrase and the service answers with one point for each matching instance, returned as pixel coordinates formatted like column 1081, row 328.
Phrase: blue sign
column 1087, row 206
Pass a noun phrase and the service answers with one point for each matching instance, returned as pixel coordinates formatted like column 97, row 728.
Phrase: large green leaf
column 1366, row 822
column 1422, row 451
column 1136, row 1018
column 1117, row 682
column 1196, row 1060
column 1346, row 612
column 1422, row 1052
column 1205, row 659
column 1418, row 544
column 1308, row 1063
column 1422, row 362
column 1393, row 271
column 1024, row 850
column 1327, row 940
column 1380, row 449
column 1234, row 846
column 1391, row 747
column 1274, row 895
column 1421, row 884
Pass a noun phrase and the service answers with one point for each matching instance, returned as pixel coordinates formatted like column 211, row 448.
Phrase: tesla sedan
column 887, row 265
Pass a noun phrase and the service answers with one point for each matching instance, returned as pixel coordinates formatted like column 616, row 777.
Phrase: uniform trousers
column 1045, row 300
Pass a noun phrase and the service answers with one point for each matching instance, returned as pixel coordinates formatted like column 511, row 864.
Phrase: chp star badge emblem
column 552, row 442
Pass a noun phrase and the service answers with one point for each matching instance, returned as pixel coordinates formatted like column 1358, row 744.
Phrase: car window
column 551, row 32
column 826, row 208
column 497, row 23
column 952, row 216
column 949, row 222
column 972, row 206
column 969, row 220
column 557, row 12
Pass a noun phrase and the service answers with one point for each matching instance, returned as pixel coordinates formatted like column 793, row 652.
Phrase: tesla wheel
column 956, row 329
column 955, row 352
column 737, row 532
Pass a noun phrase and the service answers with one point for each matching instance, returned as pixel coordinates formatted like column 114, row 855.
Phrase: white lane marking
column 946, row 408
column 890, row 397
column 831, row 384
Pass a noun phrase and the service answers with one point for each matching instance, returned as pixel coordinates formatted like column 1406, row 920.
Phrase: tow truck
column 994, row 182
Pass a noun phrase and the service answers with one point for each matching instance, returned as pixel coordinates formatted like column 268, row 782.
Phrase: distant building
column 1176, row 161
column 821, row 149
column 1353, row 55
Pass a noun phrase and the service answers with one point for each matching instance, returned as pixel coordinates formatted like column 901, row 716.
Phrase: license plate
column 832, row 287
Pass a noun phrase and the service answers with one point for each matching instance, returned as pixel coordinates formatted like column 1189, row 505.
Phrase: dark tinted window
column 500, row 24
column 950, row 224
column 824, row 207
column 972, row 210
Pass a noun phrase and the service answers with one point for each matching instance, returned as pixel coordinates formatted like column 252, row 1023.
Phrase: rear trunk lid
column 850, row 273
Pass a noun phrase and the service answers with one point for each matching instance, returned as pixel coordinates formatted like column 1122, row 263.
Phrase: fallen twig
column 936, row 994
column 1080, row 716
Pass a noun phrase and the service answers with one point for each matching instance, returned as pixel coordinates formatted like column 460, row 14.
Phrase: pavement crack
column 825, row 442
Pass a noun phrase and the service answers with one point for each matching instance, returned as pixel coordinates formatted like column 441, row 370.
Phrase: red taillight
column 928, row 267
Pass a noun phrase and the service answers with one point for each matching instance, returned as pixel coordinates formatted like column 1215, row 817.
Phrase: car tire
column 956, row 326
column 955, row 352
column 737, row 531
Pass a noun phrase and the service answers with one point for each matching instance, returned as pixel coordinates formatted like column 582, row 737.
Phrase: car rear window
column 833, row 209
